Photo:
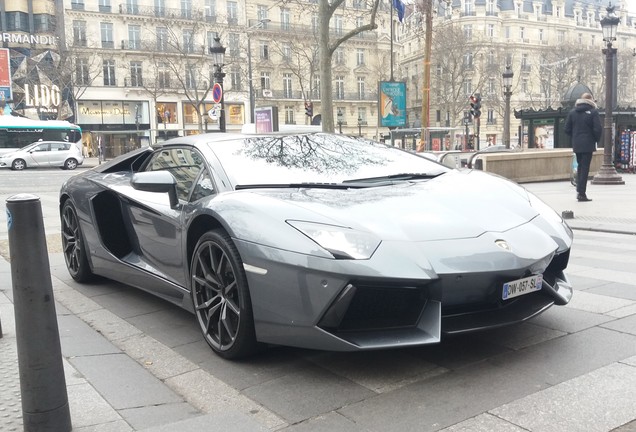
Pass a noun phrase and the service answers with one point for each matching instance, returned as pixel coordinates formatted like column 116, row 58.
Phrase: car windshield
column 318, row 158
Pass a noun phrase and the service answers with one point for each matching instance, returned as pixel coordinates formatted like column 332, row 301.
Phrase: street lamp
column 507, row 81
column 607, row 174
column 340, row 120
column 359, row 126
column 259, row 24
column 218, row 55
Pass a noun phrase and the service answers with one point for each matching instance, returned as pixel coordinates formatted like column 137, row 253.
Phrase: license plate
column 520, row 287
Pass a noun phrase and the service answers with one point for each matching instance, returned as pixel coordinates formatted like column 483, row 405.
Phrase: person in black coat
column 583, row 125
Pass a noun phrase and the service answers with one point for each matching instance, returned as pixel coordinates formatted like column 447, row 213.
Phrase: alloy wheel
column 216, row 296
column 71, row 243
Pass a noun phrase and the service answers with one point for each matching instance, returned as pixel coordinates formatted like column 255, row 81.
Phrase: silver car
column 318, row 240
column 44, row 154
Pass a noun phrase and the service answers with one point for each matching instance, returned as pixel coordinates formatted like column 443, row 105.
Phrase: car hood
column 458, row 204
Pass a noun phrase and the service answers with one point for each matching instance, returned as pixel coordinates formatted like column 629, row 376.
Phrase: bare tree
column 459, row 68
column 329, row 12
column 79, row 68
column 180, row 61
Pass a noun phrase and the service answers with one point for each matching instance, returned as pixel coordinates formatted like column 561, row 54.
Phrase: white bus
column 17, row 132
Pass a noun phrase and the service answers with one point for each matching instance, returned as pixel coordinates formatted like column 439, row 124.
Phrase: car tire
column 18, row 165
column 73, row 245
column 70, row 164
column 221, row 298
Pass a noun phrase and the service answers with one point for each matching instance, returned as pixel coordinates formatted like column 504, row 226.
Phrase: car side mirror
column 157, row 181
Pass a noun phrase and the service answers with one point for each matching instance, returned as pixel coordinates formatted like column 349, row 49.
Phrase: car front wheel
column 18, row 165
column 73, row 245
column 70, row 164
column 221, row 298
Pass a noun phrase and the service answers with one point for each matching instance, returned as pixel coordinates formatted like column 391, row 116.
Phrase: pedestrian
column 583, row 125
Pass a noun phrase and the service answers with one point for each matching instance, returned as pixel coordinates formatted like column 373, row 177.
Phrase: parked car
column 316, row 240
column 41, row 154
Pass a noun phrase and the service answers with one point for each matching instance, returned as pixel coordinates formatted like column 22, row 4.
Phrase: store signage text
column 42, row 95
column 28, row 38
column 100, row 112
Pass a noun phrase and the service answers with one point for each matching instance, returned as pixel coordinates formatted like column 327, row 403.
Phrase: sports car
column 316, row 240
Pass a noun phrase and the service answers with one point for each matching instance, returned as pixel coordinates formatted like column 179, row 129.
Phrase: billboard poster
column 5, row 75
column 266, row 119
column 392, row 103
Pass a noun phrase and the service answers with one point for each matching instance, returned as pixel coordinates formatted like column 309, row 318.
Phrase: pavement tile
column 628, row 427
column 157, row 415
column 484, row 423
column 171, row 326
column 88, row 408
column 266, row 366
column 209, row 395
column 597, row 401
column 109, row 324
column 123, row 382
column 520, row 335
column 331, row 422
column 583, row 283
column 559, row 359
column 459, row 351
column 569, row 320
column 379, row 371
column 624, row 325
column 606, row 275
column 596, row 303
column 227, row 420
column 623, row 312
column 630, row 361
column 79, row 339
column 160, row 360
column 299, row 396
column 130, row 302
column 618, row 290
column 442, row 401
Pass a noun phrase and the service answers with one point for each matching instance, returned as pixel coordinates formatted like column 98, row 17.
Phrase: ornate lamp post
column 340, row 120
column 259, row 24
column 607, row 174
column 359, row 126
column 218, row 56
column 507, row 81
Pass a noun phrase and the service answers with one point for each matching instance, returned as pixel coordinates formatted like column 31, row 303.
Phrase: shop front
column 117, row 126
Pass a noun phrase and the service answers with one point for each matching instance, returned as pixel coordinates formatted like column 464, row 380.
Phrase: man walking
column 583, row 125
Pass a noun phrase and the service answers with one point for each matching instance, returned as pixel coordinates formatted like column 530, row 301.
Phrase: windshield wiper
column 307, row 185
column 399, row 177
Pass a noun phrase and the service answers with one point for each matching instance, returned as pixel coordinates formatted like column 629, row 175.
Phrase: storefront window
column 167, row 112
column 191, row 117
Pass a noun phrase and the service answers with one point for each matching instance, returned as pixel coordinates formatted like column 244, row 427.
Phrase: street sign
column 217, row 92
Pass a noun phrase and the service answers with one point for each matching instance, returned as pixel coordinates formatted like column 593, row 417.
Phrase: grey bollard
column 42, row 384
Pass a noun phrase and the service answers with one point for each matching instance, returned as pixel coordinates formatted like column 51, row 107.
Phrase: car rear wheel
column 70, row 164
column 221, row 298
column 18, row 164
column 73, row 245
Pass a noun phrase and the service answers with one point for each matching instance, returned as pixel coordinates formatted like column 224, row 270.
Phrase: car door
column 38, row 156
column 159, row 229
column 59, row 152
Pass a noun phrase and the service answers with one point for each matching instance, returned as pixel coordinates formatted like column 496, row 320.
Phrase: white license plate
column 520, row 287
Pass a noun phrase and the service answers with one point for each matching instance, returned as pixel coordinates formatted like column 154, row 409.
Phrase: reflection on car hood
column 459, row 204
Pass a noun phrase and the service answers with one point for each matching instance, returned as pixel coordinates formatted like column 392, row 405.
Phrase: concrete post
column 42, row 384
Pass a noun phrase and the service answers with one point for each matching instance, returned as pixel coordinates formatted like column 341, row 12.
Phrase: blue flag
column 399, row 7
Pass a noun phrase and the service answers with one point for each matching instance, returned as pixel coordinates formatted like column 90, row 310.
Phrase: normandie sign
column 28, row 39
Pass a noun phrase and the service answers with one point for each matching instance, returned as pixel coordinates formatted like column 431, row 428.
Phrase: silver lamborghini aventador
column 316, row 240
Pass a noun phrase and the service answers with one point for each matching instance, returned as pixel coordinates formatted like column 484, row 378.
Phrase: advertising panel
column 5, row 75
column 392, row 103
column 266, row 119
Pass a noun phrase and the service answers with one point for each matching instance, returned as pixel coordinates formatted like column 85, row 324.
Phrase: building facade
column 549, row 44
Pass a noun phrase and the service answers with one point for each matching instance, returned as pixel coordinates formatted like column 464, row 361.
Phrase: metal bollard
column 44, row 399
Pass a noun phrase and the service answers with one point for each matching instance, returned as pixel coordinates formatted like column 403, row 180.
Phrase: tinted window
column 184, row 164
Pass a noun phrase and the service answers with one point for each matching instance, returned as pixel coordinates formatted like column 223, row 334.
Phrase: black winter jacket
column 583, row 124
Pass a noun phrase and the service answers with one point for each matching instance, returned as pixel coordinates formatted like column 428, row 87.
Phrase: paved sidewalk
column 119, row 379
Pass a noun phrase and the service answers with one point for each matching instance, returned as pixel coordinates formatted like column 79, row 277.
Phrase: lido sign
column 42, row 95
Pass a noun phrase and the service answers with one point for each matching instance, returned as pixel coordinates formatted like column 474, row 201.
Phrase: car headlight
column 341, row 242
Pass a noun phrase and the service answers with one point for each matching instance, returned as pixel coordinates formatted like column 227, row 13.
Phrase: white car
column 43, row 154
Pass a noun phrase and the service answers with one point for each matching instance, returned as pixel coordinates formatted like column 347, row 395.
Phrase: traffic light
column 475, row 105
column 309, row 109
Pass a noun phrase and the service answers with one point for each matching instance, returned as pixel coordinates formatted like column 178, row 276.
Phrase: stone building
column 550, row 45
